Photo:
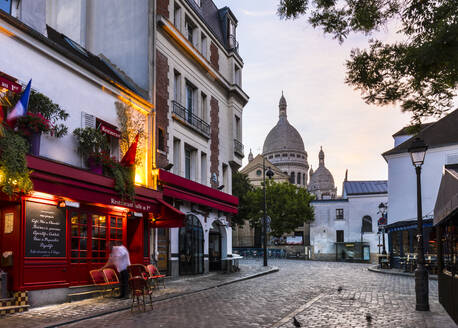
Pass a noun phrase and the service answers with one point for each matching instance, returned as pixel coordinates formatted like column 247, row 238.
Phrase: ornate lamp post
column 382, row 209
column 270, row 174
column 417, row 153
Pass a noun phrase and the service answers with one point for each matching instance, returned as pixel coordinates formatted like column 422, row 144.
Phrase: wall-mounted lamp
column 168, row 167
column 61, row 204
column 220, row 187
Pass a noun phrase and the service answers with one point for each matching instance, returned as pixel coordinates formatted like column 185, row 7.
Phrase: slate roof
column 213, row 18
column 365, row 187
column 95, row 61
column 405, row 130
column 438, row 134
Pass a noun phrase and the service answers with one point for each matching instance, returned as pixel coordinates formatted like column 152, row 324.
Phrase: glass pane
column 83, row 218
column 119, row 222
column 120, row 234
column 103, row 220
column 113, row 233
column 95, row 244
column 112, row 221
column 102, row 245
column 74, row 230
column 83, row 244
column 83, row 230
column 75, row 254
column 74, row 243
column 103, row 233
column 83, row 253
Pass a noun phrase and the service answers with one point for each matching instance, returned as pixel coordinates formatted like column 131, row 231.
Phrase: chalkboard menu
column 45, row 228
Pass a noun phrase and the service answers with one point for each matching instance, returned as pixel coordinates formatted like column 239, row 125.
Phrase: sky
column 309, row 67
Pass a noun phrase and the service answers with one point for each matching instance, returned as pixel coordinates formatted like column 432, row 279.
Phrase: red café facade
column 52, row 237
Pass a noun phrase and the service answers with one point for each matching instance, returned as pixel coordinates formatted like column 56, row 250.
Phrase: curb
column 160, row 299
column 394, row 273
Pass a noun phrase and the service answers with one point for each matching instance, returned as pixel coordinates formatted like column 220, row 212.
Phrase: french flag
column 21, row 107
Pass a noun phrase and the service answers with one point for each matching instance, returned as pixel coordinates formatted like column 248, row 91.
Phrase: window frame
column 340, row 214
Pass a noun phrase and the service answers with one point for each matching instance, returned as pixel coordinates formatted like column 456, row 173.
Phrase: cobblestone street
column 304, row 289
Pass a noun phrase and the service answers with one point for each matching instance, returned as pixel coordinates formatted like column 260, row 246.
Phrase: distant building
column 321, row 180
column 346, row 228
column 284, row 148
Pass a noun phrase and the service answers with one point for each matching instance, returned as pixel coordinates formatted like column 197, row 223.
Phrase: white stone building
column 341, row 225
column 321, row 180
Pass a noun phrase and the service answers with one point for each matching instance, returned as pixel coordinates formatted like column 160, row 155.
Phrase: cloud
column 258, row 13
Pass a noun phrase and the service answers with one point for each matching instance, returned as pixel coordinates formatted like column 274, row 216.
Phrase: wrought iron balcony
column 233, row 43
column 191, row 119
column 238, row 148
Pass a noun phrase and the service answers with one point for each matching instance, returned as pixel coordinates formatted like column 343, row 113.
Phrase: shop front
column 402, row 241
column 204, row 243
column 446, row 224
column 52, row 237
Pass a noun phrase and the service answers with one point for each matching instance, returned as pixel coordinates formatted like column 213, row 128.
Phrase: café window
column 91, row 235
column 339, row 236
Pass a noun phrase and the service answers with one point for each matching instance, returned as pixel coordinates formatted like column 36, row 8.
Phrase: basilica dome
column 283, row 136
column 284, row 148
column 321, row 181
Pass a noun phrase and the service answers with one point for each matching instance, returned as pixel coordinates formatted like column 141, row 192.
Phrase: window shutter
column 88, row 120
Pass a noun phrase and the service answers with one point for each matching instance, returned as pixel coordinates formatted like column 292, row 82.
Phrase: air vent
column 452, row 159
column 88, row 120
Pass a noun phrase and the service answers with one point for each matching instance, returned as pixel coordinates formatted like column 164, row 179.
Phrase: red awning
column 10, row 85
column 178, row 187
column 168, row 217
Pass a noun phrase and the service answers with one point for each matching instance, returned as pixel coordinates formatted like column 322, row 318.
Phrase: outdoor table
column 233, row 261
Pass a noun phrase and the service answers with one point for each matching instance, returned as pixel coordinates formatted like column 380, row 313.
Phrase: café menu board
column 45, row 228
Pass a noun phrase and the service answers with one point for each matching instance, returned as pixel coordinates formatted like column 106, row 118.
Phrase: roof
column 257, row 163
column 447, row 196
column 91, row 59
column 437, row 134
column 407, row 130
column 210, row 15
column 365, row 187
column 56, row 42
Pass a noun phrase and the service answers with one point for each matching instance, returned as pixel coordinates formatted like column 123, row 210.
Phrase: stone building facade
column 321, row 180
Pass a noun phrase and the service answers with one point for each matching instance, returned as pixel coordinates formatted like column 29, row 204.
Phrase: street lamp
column 382, row 208
column 270, row 174
column 417, row 153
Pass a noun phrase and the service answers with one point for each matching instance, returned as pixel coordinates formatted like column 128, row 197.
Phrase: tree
column 420, row 72
column 287, row 205
column 241, row 187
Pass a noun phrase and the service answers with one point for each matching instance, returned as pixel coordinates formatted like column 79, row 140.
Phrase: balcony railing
column 192, row 120
column 238, row 148
column 233, row 43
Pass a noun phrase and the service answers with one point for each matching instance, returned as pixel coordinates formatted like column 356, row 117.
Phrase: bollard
column 3, row 284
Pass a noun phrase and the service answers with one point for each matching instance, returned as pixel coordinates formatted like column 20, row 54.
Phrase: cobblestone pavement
column 304, row 289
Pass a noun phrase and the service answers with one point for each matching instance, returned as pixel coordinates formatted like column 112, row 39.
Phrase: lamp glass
column 418, row 157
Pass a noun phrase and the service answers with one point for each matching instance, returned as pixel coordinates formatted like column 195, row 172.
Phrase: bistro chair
column 139, row 288
column 99, row 279
column 155, row 274
column 137, row 270
column 111, row 279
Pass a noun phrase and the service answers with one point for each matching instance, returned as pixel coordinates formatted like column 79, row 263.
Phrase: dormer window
column 231, row 35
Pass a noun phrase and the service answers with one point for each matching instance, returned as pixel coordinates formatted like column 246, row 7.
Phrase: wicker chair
column 139, row 288
column 155, row 274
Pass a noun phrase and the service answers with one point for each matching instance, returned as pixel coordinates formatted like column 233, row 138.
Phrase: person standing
column 119, row 258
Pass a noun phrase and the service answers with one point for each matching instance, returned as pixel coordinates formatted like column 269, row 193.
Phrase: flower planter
column 34, row 141
column 94, row 166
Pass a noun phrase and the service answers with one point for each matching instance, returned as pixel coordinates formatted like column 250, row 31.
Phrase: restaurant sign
column 142, row 207
column 10, row 85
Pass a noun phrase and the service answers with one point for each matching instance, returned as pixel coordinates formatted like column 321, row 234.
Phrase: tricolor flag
column 21, row 107
column 129, row 156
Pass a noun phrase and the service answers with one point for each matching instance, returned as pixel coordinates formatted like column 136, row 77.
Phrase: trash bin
column 3, row 284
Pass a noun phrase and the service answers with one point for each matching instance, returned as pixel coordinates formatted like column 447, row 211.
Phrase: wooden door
column 135, row 240
column 162, row 249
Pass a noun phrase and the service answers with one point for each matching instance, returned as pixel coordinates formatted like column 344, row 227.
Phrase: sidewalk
column 398, row 272
column 60, row 314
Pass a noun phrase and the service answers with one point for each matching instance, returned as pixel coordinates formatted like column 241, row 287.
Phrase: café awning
column 447, row 196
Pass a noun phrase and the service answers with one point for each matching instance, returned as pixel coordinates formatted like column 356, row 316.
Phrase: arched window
column 366, row 224
column 292, row 178
column 298, row 178
column 303, row 179
column 191, row 246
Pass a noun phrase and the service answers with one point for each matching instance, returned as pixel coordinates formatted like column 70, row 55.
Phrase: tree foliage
column 420, row 72
column 288, row 206
column 241, row 187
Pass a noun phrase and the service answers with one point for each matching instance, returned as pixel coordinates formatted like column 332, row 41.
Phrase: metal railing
column 191, row 119
column 233, row 43
column 238, row 147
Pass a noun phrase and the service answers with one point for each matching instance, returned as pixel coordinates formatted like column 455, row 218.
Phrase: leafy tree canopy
column 287, row 205
column 241, row 187
column 420, row 72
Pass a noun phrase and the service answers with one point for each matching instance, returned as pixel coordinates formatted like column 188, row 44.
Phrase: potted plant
column 123, row 179
column 43, row 117
column 31, row 126
column 93, row 146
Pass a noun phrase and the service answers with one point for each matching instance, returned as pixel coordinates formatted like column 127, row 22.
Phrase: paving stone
column 266, row 301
